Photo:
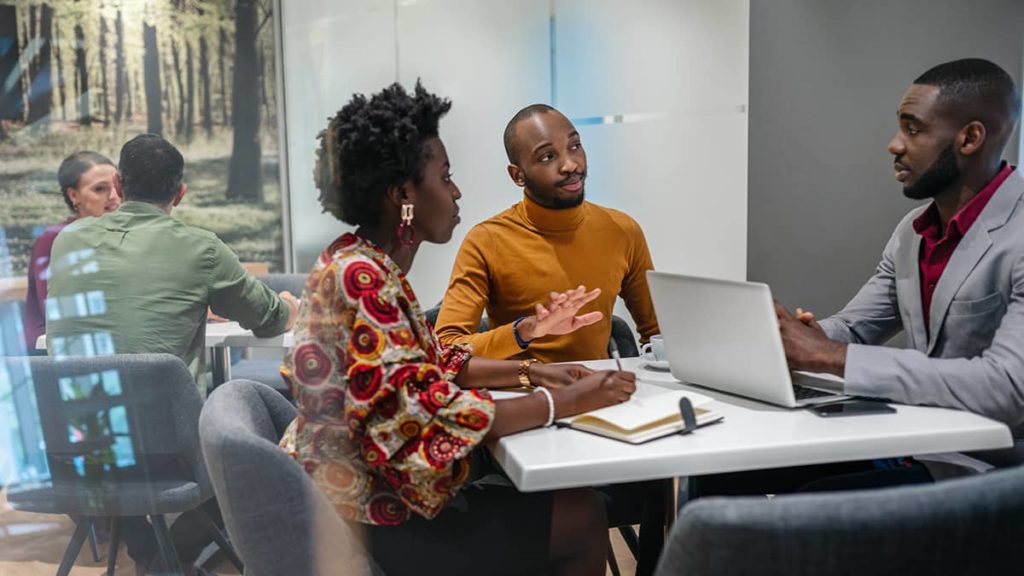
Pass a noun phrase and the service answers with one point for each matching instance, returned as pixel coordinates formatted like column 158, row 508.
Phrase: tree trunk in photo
column 179, row 125
column 129, row 94
column 62, row 97
column 31, row 51
column 190, row 79
column 104, row 31
column 82, row 73
column 222, row 56
column 120, row 77
column 26, row 78
column 264, row 99
column 151, row 66
column 245, row 180
column 12, row 98
column 204, row 79
column 32, row 34
column 41, row 92
column 172, row 117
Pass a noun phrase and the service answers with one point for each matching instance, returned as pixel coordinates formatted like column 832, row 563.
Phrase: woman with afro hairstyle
column 387, row 417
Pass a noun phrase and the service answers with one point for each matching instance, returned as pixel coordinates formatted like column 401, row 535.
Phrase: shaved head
column 511, row 144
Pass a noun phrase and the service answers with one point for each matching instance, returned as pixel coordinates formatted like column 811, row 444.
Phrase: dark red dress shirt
column 938, row 247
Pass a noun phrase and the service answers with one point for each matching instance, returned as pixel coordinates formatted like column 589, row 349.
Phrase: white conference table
column 753, row 436
column 221, row 337
column 230, row 334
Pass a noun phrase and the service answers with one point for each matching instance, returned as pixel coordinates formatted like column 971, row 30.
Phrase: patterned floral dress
column 382, row 427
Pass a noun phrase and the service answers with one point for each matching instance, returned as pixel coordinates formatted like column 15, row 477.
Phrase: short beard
column 554, row 202
column 563, row 203
column 939, row 175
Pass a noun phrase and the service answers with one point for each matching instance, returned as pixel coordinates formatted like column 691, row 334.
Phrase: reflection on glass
column 80, row 305
column 93, row 344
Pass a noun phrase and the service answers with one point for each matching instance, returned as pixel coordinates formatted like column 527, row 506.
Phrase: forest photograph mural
column 91, row 74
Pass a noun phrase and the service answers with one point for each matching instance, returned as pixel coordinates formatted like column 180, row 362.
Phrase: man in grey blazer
column 952, row 275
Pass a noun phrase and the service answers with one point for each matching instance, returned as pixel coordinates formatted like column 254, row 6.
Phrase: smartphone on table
column 852, row 408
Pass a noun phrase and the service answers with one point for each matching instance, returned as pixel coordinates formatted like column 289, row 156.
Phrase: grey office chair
column 624, row 338
column 294, row 283
column 279, row 520
column 121, row 439
column 267, row 370
column 431, row 316
column 968, row 526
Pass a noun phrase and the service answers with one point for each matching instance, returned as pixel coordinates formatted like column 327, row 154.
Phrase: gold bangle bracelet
column 524, row 373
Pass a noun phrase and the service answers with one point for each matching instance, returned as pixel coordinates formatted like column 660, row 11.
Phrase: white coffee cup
column 655, row 348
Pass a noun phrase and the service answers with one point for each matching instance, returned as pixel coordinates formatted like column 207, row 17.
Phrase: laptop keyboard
column 804, row 393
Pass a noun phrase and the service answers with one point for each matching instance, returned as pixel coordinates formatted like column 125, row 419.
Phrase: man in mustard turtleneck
column 552, row 239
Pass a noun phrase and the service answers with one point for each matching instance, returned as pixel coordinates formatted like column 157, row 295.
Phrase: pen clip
column 689, row 418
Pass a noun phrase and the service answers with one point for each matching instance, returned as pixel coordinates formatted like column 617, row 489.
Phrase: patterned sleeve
column 415, row 428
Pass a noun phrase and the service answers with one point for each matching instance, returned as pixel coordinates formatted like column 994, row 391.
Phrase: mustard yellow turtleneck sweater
column 512, row 261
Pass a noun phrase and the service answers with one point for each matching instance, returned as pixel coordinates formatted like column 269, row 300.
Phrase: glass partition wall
column 657, row 88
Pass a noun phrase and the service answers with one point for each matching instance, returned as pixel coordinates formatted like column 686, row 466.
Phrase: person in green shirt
column 140, row 281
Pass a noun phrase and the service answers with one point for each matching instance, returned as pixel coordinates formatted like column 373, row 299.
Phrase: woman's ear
column 404, row 194
column 397, row 195
column 73, row 196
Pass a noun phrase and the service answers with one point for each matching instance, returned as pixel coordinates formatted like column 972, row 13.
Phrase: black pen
column 614, row 349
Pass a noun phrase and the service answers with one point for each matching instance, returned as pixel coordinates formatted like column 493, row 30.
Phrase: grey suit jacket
column 972, row 355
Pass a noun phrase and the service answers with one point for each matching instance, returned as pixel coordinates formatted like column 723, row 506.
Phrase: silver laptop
column 724, row 335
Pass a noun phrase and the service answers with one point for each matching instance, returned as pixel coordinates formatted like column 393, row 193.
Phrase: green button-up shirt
column 139, row 281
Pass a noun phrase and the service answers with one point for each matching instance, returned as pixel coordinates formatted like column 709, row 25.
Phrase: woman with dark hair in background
column 388, row 417
column 87, row 183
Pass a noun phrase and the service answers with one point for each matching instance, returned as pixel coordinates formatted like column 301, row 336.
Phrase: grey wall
column 826, row 77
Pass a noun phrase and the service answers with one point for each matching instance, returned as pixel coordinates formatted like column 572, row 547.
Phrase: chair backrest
column 624, row 339
column 116, row 420
column 279, row 521
column 966, row 526
column 293, row 283
column 431, row 316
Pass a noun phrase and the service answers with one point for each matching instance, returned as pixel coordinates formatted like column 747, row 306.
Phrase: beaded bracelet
column 551, row 406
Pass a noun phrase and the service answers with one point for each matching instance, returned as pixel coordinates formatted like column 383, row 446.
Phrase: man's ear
column 516, row 174
column 118, row 187
column 971, row 138
column 180, row 195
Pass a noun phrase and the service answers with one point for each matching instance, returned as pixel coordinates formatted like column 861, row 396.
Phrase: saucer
column 651, row 364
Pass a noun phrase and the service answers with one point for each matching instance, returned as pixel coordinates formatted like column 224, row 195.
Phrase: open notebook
column 651, row 413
